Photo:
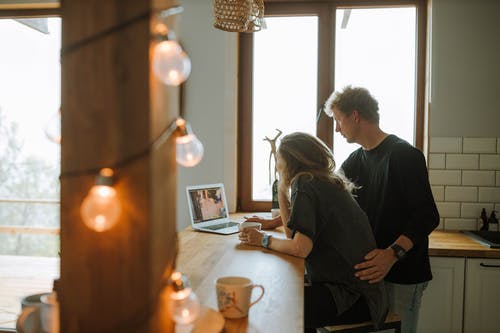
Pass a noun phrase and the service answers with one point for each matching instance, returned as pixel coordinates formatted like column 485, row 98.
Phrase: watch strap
column 265, row 240
column 399, row 252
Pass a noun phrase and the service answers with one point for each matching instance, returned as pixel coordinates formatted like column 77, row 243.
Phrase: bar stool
column 391, row 322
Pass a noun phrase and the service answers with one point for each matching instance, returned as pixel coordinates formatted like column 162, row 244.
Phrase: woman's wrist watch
column 399, row 252
column 265, row 240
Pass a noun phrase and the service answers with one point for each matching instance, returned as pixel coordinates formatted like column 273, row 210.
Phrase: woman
column 327, row 228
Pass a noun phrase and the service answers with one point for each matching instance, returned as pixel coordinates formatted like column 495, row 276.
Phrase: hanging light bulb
column 185, row 306
column 101, row 208
column 189, row 150
column 53, row 127
column 170, row 63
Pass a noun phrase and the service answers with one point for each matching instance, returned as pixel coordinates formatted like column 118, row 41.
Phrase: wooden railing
column 14, row 229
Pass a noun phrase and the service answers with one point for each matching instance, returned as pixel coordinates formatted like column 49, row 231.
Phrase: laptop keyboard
column 221, row 226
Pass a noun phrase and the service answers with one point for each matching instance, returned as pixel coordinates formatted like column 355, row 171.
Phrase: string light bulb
column 53, row 127
column 101, row 208
column 185, row 306
column 170, row 63
column 189, row 150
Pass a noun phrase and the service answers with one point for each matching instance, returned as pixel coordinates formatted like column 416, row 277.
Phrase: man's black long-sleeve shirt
column 395, row 193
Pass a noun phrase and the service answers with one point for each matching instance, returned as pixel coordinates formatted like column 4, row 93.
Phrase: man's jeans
column 405, row 299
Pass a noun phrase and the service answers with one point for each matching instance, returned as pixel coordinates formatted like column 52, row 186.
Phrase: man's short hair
column 353, row 98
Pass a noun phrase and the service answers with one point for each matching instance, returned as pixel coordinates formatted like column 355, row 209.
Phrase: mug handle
column 260, row 296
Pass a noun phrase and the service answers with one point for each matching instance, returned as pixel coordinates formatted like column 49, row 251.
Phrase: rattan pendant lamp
column 239, row 15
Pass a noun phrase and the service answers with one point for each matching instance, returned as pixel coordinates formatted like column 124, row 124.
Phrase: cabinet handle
column 486, row 265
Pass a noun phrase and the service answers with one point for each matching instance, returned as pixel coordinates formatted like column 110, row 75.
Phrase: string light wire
column 163, row 14
column 178, row 125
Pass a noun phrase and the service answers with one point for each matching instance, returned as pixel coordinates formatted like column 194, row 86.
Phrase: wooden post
column 112, row 110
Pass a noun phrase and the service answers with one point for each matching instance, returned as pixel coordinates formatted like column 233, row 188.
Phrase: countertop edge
column 457, row 244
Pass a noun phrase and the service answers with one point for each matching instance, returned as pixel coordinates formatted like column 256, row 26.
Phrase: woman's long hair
column 305, row 154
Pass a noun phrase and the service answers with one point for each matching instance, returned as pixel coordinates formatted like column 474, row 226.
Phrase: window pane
column 376, row 48
column 29, row 162
column 284, row 89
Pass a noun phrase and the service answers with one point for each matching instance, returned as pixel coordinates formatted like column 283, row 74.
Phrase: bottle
column 484, row 218
column 493, row 218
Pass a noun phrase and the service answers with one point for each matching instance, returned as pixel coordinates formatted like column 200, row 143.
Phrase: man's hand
column 376, row 265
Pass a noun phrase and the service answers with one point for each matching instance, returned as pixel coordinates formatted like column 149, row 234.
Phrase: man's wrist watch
column 265, row 240
column 399, row 252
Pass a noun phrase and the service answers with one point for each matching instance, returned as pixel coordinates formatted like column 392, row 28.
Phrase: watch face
column 399, row 252
column 265, row 241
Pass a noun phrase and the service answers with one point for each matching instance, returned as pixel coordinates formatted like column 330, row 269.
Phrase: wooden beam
column 112, row 109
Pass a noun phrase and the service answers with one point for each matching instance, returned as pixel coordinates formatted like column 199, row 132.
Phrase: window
column 311, row 49
column 29, row 162
column 271, row 93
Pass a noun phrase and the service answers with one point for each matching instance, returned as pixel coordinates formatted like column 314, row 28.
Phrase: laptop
column 208, row 209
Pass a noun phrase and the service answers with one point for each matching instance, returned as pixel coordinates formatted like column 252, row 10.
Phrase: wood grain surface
column 457, row 244
column 204, row 257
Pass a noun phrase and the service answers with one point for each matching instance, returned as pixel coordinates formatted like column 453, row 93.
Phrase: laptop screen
column 207, row 203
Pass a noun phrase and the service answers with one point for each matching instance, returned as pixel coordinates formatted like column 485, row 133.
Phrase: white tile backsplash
column 480, row 145
column 468, row 181
column 437, row 192
column 460, row 193
column 461, row 224
column 489, row 194
column 478, row 178
column 437, row 161
column 473, row 210
column 489, row 162
column 445, row 177
column 448, row 209
column 462, row 161
column 445, row 145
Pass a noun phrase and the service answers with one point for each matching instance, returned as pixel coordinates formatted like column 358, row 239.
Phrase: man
column 394, row 191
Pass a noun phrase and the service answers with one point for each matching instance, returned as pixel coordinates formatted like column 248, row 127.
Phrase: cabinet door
column 442, row 302
column 482, row 296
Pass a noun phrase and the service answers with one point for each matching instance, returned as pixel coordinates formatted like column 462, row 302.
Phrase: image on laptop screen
column 207, row 204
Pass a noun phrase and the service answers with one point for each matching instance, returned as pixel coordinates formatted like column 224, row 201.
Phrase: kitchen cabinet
column 443, row 299
column 482, row 296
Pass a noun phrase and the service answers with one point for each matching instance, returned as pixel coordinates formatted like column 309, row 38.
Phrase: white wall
column 465, row 68
column 210, row 102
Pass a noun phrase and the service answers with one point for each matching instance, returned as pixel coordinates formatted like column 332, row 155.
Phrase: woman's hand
column 266, row 223
column 255, row 218
column 251, row 236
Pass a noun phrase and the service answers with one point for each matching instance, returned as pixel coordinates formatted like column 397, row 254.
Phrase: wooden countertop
column 204, row 257
column 457, row 244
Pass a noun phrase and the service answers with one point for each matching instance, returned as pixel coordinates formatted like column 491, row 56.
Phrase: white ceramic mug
column 275, row 212
column 49, row 313
column 234, row 295
column 244, row 225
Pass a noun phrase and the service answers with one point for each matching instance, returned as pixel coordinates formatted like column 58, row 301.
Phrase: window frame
column 325, row 10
